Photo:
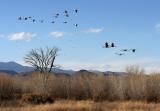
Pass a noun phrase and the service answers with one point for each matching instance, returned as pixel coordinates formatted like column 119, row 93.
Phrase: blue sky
column 127, row 23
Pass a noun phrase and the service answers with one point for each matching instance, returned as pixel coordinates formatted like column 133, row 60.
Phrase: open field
column 88, row 106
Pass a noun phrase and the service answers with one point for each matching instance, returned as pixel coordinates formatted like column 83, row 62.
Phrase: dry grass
column 88, row 106
column 93, row 89
column 87, row 87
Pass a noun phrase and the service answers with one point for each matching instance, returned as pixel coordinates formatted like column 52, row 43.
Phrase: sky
column 127, row 23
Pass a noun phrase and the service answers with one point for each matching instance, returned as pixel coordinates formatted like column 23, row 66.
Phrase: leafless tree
column 42, row 59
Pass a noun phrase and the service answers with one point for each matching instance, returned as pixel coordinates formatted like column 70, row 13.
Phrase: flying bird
column 25, row 18
column 33, row 20
column 106, row 45
column 76, row 25
column 76, row 10
column 57, row 15
column 109, row 46
column 19, row 18
column 120, row 54
column 112, row 45
column 65, row 22
column 125, row 50
column 42, row 21
column 66, row 12
column 29, row 17
column 53, row 22
column 133, row 50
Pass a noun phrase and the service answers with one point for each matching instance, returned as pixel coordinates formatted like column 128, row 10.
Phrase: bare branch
column 42, row 59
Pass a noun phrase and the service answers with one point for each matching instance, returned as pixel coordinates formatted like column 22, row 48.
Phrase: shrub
column 6, row 87
column 153, row 88
column 135, row 87
column 36, row 99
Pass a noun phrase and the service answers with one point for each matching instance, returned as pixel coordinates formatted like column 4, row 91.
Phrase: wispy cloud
column 149, row 64
column 84, row 65
column 157, row 27
column 57, row 34
column 94, row 30
column 21, row 36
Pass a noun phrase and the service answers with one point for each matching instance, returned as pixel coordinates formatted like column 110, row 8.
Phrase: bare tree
column 42, row 59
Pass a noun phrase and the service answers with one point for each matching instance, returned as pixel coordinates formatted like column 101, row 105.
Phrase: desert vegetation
column 95, row 88
column 88, row 106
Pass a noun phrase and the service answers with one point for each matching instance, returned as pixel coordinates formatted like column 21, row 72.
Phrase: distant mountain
column 13, row 66
column 84, row 73
column 114, row 73
column 56, row 70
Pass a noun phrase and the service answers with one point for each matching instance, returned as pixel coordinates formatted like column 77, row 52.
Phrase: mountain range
column 15, row 68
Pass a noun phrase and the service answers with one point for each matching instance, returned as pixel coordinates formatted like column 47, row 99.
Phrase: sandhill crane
column 133, row 50
column 76, row 10
column 76, row 25
column 57, row 15
column 19, row 18
column 112, row 45
column 65, row 22
column 53, row 22
column 106, row 45
column 33, row 20
column 120, row 54
column 125, row 50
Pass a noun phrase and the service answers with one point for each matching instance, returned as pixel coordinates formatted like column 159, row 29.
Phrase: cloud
column 94, row 30
column 21, row 36
column 84, row 65
column 148, row 64
column 57, row 34
column 157, row 27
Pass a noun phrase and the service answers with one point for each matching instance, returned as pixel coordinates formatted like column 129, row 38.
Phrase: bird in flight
column 112, row 45
column 33, row 20
column 42, row 21
column 120, row 54
column 65, row 22
column 76, row 10
column 57, row 15
column 76, row 25
column 66, row 12
column 19, row 18
column 106, row 45
column 133, row 50
column 25, row 18
column 53, row 22
column 29, row 17
column 125, row 50
column 109, row 46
